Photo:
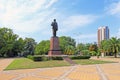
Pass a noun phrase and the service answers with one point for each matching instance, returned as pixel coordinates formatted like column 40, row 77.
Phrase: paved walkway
column 107, row 59
column 109, row 71
column 4, row 63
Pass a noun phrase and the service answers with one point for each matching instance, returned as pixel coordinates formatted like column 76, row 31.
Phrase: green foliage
column 44, row 58
column 8, row 41
column 105, row 46
column 82, row 47
column 30, row 57
column 67, row 44
column 56, row 58
column 111, row 45
column 42, row 48
column 93, row 47
column 29, row 46
column 93, row 53
column 85, row 52
column 38, row 58
column 24, row 63
column 91, row 61
column 79, row 57
column 114, row 46
column 69, row 50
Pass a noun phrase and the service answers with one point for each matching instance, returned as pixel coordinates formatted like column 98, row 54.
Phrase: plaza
column 108, row 71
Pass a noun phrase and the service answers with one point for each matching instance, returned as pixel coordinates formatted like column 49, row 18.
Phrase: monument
column 54, row 41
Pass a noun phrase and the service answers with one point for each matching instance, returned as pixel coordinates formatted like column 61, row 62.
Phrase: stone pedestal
column 54, row 47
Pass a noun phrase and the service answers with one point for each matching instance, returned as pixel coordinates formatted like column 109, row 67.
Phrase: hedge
column 79, row 57
column 56, row 58
column 44, row 58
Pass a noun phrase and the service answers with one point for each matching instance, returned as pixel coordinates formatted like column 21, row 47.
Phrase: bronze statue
column 54, row 27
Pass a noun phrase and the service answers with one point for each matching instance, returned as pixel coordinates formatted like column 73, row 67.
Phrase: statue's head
column 54, row 19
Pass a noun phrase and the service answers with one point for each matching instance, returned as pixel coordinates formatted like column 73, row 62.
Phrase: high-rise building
column 103, row 34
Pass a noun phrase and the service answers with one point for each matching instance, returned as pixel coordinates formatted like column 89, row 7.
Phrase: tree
column 66, row 43
column 7, row 42
column 111, row 45
column 85, row 52
column 80, row 47
column 29, row 46
column 114, row 46
column 19, row 47
column 105, row 47
column 93, row 47
column 42, row 48
column 69, row 50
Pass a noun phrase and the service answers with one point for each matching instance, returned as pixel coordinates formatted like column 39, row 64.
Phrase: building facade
column 103, row 34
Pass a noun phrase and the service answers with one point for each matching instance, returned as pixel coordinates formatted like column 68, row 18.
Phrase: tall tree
column 105, row 47
column 114, row 46
column 7, row 40
column 19, row 47
column 81, row 47
column 29, row 46
column 42, row 48
column 66, row 43
column 93, row 47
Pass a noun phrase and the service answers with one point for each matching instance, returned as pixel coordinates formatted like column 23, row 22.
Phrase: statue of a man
column 54, row 27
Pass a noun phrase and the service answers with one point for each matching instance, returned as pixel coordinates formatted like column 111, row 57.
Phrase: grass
column 91, row 61
column 24, row 63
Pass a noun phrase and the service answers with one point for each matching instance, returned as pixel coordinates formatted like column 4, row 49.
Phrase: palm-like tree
column 114, row 46
column 105, row 46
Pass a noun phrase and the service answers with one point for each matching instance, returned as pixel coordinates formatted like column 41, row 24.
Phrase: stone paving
column 4, row 63
column 109, row 71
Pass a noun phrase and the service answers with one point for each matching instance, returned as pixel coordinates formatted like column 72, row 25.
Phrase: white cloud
column 25, row 15
column 50, row 3
column 28, row 16
column 75, row 21
column 114, row 9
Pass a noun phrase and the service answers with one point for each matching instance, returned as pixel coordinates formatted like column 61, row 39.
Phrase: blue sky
column 78, row 19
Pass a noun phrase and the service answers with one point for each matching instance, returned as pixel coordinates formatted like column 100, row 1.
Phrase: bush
column 85, row 52
column 44, row 58
column 93, row 53
column 79, row 57
column 37, row 58
column 56, row 58
column 30, row 57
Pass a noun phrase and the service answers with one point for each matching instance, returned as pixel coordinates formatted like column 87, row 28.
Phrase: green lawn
column 24, row 63
column 90, row 61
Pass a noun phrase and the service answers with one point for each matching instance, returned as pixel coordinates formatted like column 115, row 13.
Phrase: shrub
column 56, row 58
column 93, row 53
column 37, row 58
column 79, row 57
column 44, row 58
column 30, row 57
column 85, row 52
